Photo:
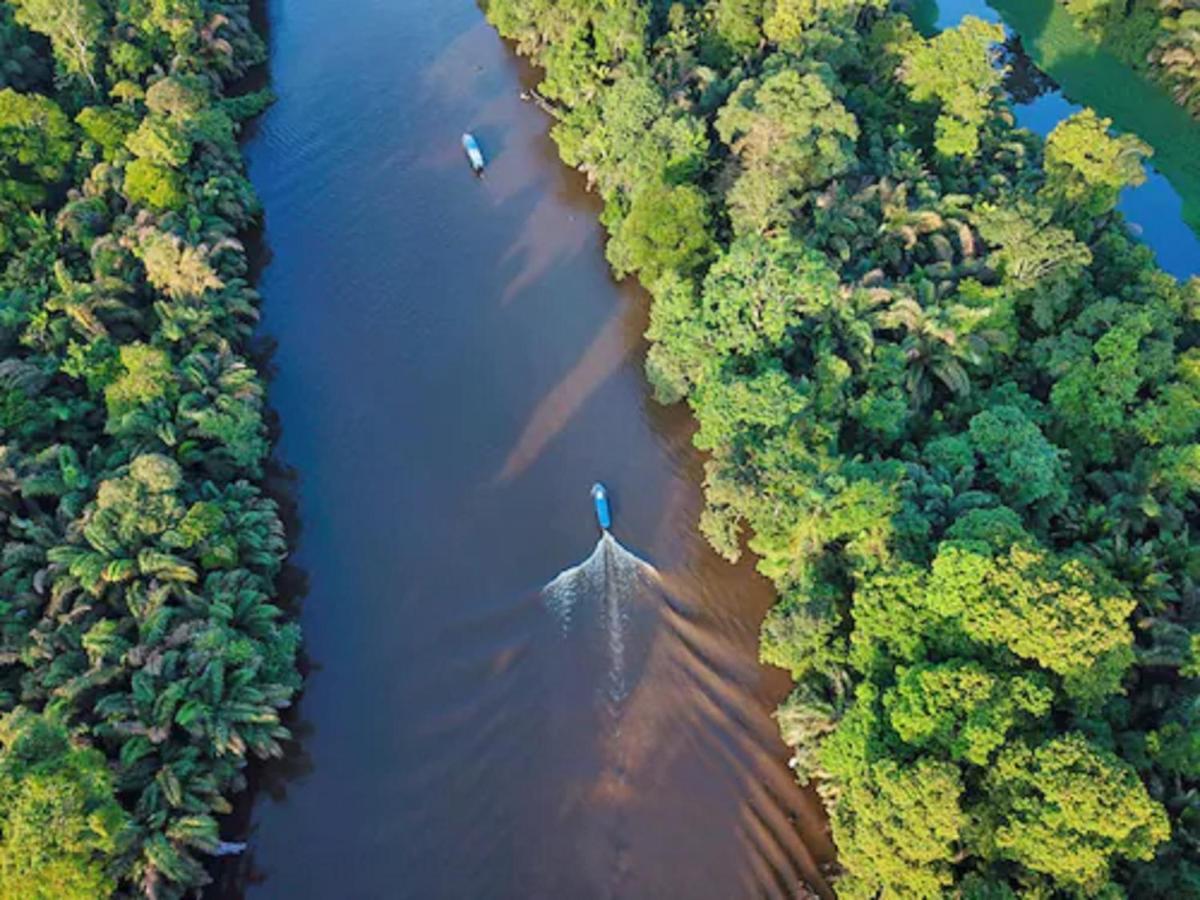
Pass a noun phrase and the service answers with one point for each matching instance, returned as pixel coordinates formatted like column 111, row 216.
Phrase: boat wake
column 616, row 577
column 652, row 702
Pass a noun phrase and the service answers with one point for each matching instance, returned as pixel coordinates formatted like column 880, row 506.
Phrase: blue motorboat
column 600, row 499
column 474, row 154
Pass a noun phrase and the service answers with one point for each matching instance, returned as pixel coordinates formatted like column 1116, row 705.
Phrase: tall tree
column 74, row 28
column 957, row 70
column 1087, row 168
column 36, row 145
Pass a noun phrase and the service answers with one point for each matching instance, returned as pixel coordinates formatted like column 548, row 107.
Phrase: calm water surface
column 454, row 368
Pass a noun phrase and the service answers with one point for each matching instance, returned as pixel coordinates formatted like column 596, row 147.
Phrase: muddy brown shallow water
column 455, row 367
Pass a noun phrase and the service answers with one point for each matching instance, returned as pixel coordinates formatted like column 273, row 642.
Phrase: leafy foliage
column 956, row 69
column 790, row 133
column 1158, row 36
column 1087, row 168
column 74, row 27
column 143, row 661
column 36, row 146
column 60, row 824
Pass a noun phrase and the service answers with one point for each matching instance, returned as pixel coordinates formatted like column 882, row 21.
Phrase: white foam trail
column 614, row 575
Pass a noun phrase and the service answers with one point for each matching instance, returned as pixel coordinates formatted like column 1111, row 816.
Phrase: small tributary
column 1165, row 210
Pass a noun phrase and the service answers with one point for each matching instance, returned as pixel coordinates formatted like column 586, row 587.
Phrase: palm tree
column 938, row 342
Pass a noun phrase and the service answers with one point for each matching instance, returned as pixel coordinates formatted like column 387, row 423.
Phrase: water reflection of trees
column 1024, row 81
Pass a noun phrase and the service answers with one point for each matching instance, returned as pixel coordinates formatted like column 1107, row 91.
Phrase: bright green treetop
column 762, row 288
column 1087, row 168
column 666, row 230
column 957, row 70
column 962, row 708
column 897, row 830
column 59, row 822
column 1069, row 810
column 36, row 145
column 74, row 28
column 791, row 133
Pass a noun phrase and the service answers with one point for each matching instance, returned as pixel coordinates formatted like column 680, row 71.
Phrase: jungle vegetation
column 143, row 660
column 948, row 401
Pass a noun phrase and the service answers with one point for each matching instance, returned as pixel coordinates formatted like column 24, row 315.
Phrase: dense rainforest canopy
column 142, row 659
column 949, row 402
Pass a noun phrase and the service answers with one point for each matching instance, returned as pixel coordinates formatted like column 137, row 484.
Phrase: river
column 454, row 368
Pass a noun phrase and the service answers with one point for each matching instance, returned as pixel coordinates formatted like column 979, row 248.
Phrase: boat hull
column 474, row 153
column 600, row 501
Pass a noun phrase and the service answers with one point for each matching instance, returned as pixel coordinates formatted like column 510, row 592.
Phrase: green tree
column 957, row 71
column 963, row 709
column 180, row 20
column 786, row 20
column 1030, row 250
column 939, row 343
column 36, row 146
column 791, row 133
column 742, row 408
column 1063, row 614
column 1028, row 469
column 21, row 65
column 139, row 557
column 666, row 231
column 176, row 268
column 1087, row 168
column 760, row 290
column 898, row 829
column 1071, row 810
column 147, row 376
column 1101, row 380
column 630, row 139
column 60, row 825
column 1095, row 15
column 161, row 141
column 107, row 127
column 739, row 23
column 74, row 28
column 154, row 185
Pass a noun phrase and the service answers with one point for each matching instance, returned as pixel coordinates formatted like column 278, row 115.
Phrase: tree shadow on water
column 1023, row 80
column 234, row 875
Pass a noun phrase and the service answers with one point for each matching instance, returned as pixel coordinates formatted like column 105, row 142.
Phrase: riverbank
column 144, row 656
column 1155, row 209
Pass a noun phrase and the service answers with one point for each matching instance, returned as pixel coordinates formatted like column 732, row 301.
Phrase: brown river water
column 454, row 367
